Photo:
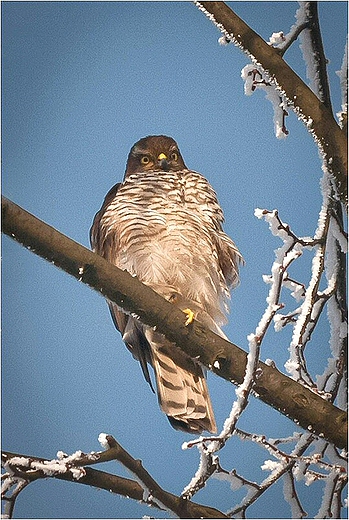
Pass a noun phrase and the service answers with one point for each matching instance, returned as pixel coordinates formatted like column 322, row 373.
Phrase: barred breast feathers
column 168, row 217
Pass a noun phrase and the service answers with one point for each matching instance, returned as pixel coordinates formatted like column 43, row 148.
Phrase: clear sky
column 82, row 81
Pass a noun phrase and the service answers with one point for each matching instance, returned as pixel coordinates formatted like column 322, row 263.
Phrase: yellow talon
column 190, row 316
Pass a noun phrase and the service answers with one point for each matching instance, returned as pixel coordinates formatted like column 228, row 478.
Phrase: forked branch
column 20, row 470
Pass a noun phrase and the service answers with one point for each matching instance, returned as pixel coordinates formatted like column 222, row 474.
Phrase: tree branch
column 151, row 489
column 95, row 478
column 225, row 359
column 25, row 469
column 291, row 37
column 318, row 117
column 318, row 53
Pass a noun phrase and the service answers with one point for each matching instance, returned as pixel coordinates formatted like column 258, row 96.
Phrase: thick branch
column 316, row 115
column 225, row 359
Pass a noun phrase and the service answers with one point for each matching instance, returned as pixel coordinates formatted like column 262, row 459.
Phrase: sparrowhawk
column 163, row 224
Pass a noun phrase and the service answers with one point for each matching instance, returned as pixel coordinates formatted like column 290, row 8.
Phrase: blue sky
column 82, row 81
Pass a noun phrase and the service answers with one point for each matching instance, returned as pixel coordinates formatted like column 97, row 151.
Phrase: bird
column 163, row 224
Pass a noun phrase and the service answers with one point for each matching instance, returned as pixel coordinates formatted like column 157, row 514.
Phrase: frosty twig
column 314, row 113
column 21, row 470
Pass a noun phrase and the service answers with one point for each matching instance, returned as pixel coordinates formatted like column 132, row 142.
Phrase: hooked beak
column 163, row 163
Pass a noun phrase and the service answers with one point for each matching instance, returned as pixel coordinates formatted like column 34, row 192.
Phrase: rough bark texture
column 225, row 359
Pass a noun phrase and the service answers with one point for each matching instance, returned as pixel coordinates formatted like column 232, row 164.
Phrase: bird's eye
column 145, row 159
column 174, row 156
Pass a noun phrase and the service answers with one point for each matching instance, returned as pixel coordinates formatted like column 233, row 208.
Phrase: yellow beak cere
column 162, row 156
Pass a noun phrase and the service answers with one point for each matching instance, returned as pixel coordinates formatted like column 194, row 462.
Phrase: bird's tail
column 181, row 385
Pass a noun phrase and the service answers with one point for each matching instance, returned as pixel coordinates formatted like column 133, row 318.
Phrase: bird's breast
column 165, row 226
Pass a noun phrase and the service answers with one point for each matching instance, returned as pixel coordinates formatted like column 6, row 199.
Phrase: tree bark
column 225, row 359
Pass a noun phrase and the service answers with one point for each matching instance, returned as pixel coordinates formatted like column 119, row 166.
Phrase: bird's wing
column 229, row 258
column 97, row 236
column 106, row 245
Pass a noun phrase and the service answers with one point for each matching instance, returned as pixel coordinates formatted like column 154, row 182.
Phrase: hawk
column 163, row 224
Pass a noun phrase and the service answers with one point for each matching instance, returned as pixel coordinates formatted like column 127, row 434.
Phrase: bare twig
column 280, row 470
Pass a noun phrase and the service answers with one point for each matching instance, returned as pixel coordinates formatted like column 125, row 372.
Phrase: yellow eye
column 174, row 156
column 145, row 159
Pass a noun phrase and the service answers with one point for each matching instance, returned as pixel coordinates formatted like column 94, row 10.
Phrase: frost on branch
column 103, row 440
column 310, row 54
column 255, row 78
column 277, row 38
column 20, row 471
column 343, row 79
column 209, row 463
column 328, row 239
column 308, row 459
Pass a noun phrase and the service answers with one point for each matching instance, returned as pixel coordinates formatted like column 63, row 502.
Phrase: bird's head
column 154, row 153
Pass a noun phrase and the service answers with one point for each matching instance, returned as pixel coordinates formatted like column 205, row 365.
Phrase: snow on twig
column 277, row 471
column 291, row 496
column 207, row 446
column 13, row 485
column 310, row 308
column 304, row 319
column 284, row 256
column 20, row 471
column 333, row 380
column 207, row 466
column 255, row 78
column 343, row 79
column 339, row 465
column 292, row 92
column 330, row 507
column 310, row 59
column 313, row 52
column 209, row 463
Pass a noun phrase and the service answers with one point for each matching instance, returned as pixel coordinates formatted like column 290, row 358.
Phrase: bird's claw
column 190, row 316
